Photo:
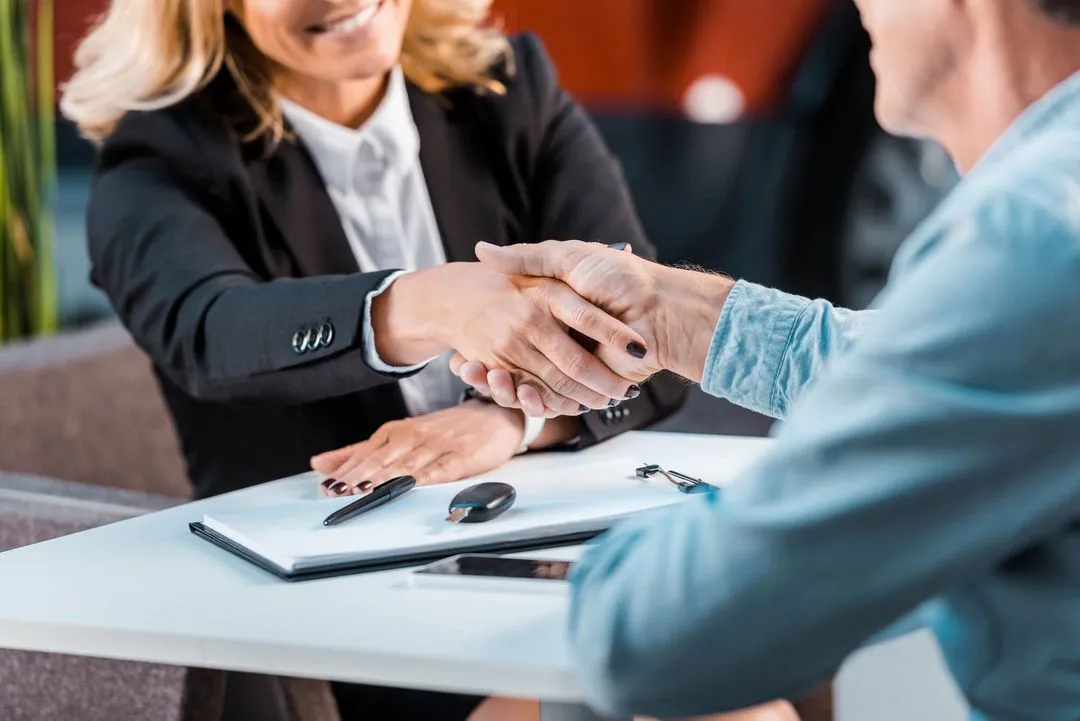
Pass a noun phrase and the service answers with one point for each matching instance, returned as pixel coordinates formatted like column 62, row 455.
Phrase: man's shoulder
column 1039, row 183
column 1025, row 206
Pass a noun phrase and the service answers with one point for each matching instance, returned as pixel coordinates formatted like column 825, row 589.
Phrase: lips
column 355, row 20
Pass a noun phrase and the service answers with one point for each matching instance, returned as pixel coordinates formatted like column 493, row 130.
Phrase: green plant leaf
column 28, row 292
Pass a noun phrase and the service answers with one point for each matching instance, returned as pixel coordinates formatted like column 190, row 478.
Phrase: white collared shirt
column 375, row 181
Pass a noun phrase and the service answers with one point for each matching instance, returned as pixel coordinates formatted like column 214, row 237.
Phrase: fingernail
column 617, row 246
column 365, row 486
column 339, row 487
column 583, row 408
column 328, row 482
column 636, row 349
column 633, row 392
column 613, row 402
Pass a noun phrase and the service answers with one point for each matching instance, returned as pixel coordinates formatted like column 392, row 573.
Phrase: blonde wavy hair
column 150, row 54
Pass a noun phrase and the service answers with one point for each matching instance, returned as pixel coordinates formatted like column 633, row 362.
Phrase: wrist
column 512, row 415
column 558, row 432
column 689, row 307
column 514, row 418
column 407, row 325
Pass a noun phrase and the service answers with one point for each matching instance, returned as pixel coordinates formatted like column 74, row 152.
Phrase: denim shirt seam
column 721, row 335
column 785, row 351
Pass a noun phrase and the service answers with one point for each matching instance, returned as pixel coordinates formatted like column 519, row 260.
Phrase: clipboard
column 290, row 540
column 404, row 560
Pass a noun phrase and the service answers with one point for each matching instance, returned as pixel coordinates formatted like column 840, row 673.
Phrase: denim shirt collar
column 1060, row 104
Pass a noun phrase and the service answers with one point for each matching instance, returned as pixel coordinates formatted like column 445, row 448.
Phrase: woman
column 283, row 216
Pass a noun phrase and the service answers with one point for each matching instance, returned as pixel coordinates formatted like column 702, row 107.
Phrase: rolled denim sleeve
column 769, row 345
column 938, row 445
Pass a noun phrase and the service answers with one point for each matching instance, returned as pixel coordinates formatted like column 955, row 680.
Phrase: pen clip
column 685, row 483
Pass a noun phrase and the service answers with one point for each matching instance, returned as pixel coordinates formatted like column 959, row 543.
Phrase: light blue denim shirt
column 928, row 458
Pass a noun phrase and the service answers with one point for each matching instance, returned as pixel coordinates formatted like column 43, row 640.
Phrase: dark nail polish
column 613, row 402
column 583, row 408
column 617, row 246
column 339, row 487
column 328, row 482
column 366, row 486
column 636, row 349
column 633, row 392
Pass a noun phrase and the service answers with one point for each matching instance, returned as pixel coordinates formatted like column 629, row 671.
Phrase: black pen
column 383, row 493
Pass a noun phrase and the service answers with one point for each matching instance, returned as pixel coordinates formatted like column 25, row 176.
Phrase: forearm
column 283, row 342
column 755, row 346
column 213, row 325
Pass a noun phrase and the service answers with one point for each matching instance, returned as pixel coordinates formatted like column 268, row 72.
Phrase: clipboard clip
column 685, row 483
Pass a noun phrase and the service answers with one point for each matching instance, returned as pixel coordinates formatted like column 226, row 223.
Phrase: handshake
column 585, row 325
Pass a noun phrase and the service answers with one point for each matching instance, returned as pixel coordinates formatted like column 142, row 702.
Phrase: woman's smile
column 351, row 27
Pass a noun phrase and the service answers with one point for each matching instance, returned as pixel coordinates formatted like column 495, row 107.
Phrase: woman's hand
column 435, row 448
column 509, row 322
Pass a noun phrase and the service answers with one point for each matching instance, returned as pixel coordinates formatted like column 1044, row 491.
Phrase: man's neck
column 1008, row 72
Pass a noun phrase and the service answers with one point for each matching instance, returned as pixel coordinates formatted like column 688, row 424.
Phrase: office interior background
column 746, row 133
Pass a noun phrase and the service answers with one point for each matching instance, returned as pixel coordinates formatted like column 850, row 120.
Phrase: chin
column 366, row 71
column 367, row 65
column 890, row 120
column 370, row 62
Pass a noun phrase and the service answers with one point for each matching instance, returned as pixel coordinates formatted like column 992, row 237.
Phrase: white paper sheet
column 589, row 497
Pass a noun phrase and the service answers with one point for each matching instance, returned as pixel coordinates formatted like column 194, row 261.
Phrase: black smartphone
column 489, row 572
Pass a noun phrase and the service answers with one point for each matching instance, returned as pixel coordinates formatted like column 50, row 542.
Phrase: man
column 928, row 457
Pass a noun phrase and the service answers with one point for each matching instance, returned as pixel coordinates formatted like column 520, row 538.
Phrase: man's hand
column 439, row 447
column 675, row 311
column 509, row 322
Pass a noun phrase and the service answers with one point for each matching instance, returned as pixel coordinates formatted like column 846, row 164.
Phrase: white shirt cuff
column 529, row 433
column 371, row 353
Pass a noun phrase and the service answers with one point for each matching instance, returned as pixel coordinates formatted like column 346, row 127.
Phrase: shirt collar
column 1061, row 104
column 388, row 139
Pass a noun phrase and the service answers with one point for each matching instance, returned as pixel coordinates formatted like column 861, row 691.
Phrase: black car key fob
column 481, row 502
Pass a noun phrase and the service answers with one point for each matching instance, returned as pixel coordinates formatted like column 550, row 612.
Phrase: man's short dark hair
column 1066, row 12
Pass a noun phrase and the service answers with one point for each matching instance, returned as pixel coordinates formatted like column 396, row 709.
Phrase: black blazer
column 215, row 252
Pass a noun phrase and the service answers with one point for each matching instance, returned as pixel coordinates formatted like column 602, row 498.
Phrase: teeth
column 356, row 22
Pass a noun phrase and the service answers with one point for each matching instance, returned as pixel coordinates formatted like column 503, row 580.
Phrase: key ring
column 685, row 483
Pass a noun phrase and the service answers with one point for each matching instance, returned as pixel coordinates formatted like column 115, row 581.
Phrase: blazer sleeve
column 579, row 192
column 160, row 251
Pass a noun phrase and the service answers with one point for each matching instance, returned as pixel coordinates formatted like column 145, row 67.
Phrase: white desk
column 146, row 589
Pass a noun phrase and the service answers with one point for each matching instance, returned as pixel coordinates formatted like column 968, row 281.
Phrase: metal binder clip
column 683, row 482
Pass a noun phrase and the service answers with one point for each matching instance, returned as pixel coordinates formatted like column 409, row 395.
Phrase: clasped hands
column 510, row 318
column 667, row 313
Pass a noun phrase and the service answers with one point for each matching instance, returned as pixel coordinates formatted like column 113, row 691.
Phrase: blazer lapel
column 459, row 176
column 293, row 193
column 458, row 170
